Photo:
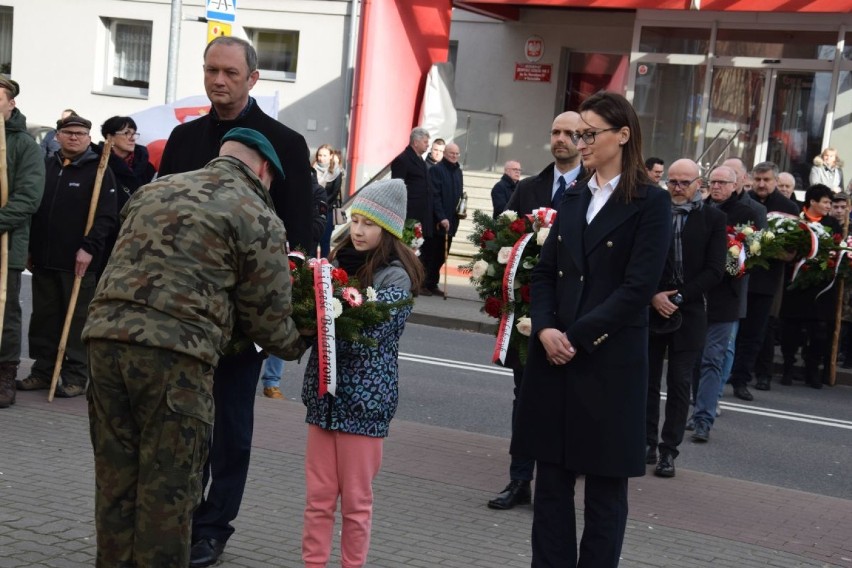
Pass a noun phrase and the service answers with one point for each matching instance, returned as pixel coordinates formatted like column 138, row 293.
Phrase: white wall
column 58, row 44
column 488, row 51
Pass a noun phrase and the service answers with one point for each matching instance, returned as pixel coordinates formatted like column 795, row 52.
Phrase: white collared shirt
column 600, row 195
column 570, row 177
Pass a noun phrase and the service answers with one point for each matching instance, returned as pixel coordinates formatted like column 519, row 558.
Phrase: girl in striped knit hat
column 346, row 431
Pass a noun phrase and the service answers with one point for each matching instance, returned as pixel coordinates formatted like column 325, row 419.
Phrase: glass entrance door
column 767, row 114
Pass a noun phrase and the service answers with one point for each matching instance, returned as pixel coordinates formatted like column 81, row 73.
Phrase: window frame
column 272, row 74
column 106, row 85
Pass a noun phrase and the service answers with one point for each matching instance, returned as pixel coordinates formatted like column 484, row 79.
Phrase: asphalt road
column 794, row 437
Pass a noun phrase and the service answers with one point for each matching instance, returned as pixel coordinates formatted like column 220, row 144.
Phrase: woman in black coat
column 582, row 404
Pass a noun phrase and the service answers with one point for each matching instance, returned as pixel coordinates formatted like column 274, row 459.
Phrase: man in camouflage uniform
column 199, row 254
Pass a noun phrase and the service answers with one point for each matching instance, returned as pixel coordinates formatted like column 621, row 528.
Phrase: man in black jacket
column 543, row 190
column 548, row 187
column 447, row 181
column 725, row 304
column 60, row 250
column 230, row 72
column 763, row 285
column 695, row 264
column 410, row 167
column 503, row 189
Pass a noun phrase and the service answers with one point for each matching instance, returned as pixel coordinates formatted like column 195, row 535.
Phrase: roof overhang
column 497, row 8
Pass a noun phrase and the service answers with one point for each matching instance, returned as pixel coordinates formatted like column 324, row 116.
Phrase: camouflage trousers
column 150, row 416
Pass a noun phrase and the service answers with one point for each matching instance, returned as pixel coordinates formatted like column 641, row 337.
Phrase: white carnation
column 524, row 326
column 509, row 214
column 371, row 294
column 479, row 269
column 503, row 255
column 336, row 307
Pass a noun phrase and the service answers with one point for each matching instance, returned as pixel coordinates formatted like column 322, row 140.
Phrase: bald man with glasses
column 695, row 264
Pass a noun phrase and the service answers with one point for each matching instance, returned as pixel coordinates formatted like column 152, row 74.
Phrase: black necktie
column 560, row 191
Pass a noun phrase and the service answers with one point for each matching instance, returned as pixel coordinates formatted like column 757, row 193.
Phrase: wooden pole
column 4, row 238
column 78, row 280
column 446, row 257
column 838, row 315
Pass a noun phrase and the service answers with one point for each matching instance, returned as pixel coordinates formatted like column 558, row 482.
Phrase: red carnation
column 292, row 265
column 729, row 229
column 519, row 226
column 838, row 238
column 831, row 263
column 487, row 235
column 525, row 293
column 493, row 307
column 740, row 237
column 805, row 268
column 339, row 275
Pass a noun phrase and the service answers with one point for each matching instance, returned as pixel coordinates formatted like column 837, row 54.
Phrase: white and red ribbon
column 814, row 248
column 543, row 217
column 504, row 332
column 326, row 346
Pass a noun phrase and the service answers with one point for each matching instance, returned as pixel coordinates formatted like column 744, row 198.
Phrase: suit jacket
column 411, row 168
column 704, row 241
column 768, row 281
column 536, row 191
column 447, row 183
column 594, row 283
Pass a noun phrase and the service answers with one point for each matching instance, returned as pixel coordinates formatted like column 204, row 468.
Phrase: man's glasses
column 129, row 134
column 74, row 133
column 720, row 182
column 589, row 136
column 683, row 184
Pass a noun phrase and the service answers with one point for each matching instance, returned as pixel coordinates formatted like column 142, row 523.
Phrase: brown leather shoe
column 272, row 392
column 69, row 391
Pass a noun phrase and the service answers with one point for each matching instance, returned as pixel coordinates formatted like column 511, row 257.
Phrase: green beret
column 257, row 141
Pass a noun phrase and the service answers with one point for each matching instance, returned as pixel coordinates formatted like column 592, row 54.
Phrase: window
column 5, row 40
column 277, row 53
column 127, row 65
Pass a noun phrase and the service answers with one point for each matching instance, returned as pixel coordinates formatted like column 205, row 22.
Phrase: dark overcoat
column 411, row 169
column 594, row 283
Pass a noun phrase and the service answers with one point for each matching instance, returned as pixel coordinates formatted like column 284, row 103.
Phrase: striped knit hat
column 383, row 202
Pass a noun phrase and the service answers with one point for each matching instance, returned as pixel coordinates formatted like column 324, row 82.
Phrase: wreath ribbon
column 326, row 345
column 504, row 332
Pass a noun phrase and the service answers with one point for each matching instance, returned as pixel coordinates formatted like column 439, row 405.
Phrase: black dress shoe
column 205, row 552
column 650, row 454
column 665, row 467
column 437, row 291
column 743, row 393
column 763, row 383
column 516, row 493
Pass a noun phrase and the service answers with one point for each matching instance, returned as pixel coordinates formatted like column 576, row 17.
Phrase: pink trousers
column 342, row 465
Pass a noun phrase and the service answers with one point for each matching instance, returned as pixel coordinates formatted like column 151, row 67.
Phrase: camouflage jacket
column 199, row 254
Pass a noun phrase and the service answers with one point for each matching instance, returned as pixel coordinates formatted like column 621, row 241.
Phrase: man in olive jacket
column 25, row 173
column 199, row 255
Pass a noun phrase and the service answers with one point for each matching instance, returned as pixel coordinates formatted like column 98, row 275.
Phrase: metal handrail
column 721, row 153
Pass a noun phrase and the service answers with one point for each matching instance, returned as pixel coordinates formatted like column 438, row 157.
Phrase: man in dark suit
column 725, row 305
column 546, row 189
column 447, row 181
column 696, row 263
column 532, row 193
column 410, row 167
column 763, row 285
column 503, row 189
column 230, row 72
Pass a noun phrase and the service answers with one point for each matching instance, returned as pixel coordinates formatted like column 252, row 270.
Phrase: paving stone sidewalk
column 429, row 509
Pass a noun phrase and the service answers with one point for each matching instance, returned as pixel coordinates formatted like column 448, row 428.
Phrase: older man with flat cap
column 200, row 255
column 25, row 173
column 60, row 249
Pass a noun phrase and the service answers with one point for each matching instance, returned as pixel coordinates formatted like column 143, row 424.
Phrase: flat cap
column 73, row 120
column 10, row 85
column 258, row 142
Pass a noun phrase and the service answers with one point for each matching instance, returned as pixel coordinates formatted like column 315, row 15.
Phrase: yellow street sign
column 217, row 29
